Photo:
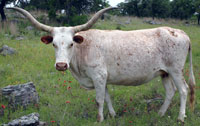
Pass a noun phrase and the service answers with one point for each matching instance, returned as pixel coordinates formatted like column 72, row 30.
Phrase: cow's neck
column 75, row 67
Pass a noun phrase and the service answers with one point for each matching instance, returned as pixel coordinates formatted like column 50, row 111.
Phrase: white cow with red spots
column 100, row 57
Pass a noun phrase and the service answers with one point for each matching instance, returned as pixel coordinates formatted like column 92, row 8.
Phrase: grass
column 34, row 62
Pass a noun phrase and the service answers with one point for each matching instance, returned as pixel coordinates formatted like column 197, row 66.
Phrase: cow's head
column 62, row 38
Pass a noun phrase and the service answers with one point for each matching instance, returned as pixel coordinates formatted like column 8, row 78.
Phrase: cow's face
column 63, row 41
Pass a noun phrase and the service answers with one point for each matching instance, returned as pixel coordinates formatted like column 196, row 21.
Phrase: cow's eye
column 54, row 46
column 71, row 44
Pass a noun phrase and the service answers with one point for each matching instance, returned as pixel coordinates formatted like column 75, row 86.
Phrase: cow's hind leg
column 181, row 85
column 109, row 104
column 170, row 90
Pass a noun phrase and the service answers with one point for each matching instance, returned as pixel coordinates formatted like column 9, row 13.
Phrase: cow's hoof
column 100, row 118
column 181, row 118
column 161, row 114
column 180, row 122
column 112, row 114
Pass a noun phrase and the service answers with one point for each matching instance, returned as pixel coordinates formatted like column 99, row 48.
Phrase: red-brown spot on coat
column 172, row 32
column 158, row 34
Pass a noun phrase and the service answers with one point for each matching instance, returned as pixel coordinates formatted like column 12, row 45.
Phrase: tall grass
column 8, row 28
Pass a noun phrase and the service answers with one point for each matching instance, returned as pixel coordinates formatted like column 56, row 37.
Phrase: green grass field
column 34, row 62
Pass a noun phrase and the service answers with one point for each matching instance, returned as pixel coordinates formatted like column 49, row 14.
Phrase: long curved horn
column 92, row 21
column 37, row 24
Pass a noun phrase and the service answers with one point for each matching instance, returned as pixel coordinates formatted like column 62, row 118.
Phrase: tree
column 2, row 5
column 160, row 8
column 130, row 7
column 146, row 8
column 133, row 7
column 182, row 9
column 197, row 10
column 122, row 7
column 73, row 8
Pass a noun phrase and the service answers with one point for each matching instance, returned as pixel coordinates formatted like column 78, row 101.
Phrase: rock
column 120, row 23
column 29, row 28
column 28, row 120
column 5, row 50
column 152, row 22
column 20, row 95
column 128, row 21
column 19, row 38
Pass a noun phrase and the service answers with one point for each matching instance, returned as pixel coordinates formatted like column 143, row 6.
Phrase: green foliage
column 52, row 13
column 72, row 8
column 118, row 27
column 98, row 4
column 182, row 9
column 146, row 8
column 160, row 8
column 78, row 20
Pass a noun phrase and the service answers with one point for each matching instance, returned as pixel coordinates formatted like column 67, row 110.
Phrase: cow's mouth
column 61, row 69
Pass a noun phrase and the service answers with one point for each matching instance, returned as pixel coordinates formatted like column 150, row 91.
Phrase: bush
column 52, row 13
column 118, row 27
column 78, row 20
column 61, row 19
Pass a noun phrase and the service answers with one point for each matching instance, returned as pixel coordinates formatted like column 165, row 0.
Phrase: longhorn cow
column 99, row 57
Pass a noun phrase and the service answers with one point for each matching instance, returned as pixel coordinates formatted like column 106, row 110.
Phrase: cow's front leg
column 109, row 103
column 100, row 86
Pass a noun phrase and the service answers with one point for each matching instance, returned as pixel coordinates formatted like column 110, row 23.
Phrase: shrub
column 118, row 27
column 78, row 19
column 52, row 13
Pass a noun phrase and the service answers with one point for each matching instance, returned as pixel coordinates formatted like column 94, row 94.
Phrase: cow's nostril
column 65, row 66
column 57, row 65
column 61, row 66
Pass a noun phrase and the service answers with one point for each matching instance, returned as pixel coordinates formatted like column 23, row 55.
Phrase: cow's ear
column 47, row 39
column 78, row 39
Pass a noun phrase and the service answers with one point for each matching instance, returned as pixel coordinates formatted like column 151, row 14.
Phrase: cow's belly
column 128, row 75
column 132, row 79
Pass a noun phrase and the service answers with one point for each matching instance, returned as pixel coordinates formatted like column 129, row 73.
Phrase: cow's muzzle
column 61, row 66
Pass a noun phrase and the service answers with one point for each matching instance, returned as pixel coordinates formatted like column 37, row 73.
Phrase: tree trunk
column 103, row 6
column 2, row 5
column 136, row 9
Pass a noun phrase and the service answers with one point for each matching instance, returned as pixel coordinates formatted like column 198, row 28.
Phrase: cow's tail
column 191, row 81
